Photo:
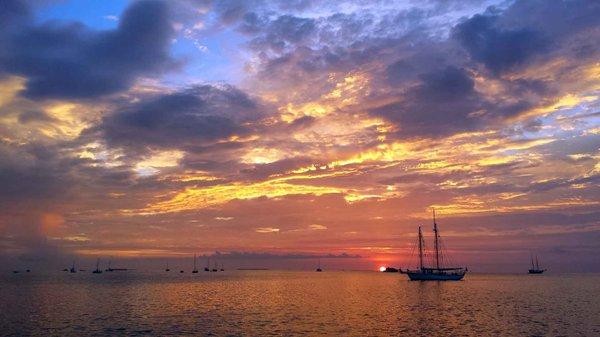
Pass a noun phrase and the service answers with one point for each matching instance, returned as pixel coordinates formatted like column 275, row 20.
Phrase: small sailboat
column 167, row 268
column 97, row 270
column 437, row 273
column 222, row 268
column 215, row 269
column 195, row 270
column 207, row 268
column 535, row 268
column 109, row 266
column 319, row 266
column 73, row 270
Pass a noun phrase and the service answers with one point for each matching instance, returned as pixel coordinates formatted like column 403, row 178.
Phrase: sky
column 275, row 133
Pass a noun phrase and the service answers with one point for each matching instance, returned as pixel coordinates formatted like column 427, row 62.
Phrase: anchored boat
column 437, row 272
column 195, row 270
column 97, row 270
column 535, row 268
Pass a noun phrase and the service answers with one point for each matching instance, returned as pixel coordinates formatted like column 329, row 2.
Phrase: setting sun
column 382, row 268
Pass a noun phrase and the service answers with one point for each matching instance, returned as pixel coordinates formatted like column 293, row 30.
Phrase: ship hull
column 534, row 271
column 418, row 276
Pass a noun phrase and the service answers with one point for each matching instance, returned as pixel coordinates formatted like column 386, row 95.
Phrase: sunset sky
column 288, row 130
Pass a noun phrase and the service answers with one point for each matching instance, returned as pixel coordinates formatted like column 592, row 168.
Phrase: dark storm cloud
column 499, row 49
column 504, row 40
column 69, row 60
column 183, row 119
column 13, row 11
column 29, row 175
column 443, row 103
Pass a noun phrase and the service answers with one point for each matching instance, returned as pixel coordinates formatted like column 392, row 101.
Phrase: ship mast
column 436, row 243
column 532, row 265
column 420, row 248
column 537, row 265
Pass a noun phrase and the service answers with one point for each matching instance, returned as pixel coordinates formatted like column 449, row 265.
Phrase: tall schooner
column 535, row 268
column 438, row 272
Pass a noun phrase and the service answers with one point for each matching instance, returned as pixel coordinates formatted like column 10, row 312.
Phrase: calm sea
column 282, row 303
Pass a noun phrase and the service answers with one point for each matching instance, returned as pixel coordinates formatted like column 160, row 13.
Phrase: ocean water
column 286, row 303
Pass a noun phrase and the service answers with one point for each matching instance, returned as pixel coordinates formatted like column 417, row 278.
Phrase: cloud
column 443, row 103
column 266, row 255
column 34, row 116
column 317, row 227
column 499, row 49
column 266, row 230
column 505, row 40
column 70, row 60
column 180, row 120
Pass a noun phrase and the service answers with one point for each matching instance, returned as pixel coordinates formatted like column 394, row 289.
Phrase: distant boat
column 65, row 269
column 16, row 271
column 319, row 266
column 389, row 270
column 535, row 268
column 167, row 269
column 181, row 271
column 109, row 268
column 222, row 268
column 97, row 270
column 207, row 268
column 73, row 270
column 215, row 269
column 28, row 271
column 437, row 273
column 195, row 270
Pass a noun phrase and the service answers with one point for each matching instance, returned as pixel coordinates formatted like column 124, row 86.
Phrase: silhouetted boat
column 73, row 270
column 319, row 266
column 215, row 269
column 16, row 271
column 207, row 268
column 222, row 268
column 181, row 271
column 65, row 269
column 167, row 269
column 437, row 273
column 195, row 270
column 535, row 269
column 109, row 267
column 28, row 271
column 97, row 270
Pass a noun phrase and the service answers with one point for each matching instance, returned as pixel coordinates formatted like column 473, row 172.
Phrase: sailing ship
column 73, row 270
column 535, row 268
column 437, row 272
column 167, row 268
column 109, row 266
column 215, row 269
column 97, row 270
column 195, row 270
column 319, row 267
column 222, row 267
column 207, row 268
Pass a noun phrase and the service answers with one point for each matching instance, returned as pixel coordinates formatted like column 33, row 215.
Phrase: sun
column 382, row 268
